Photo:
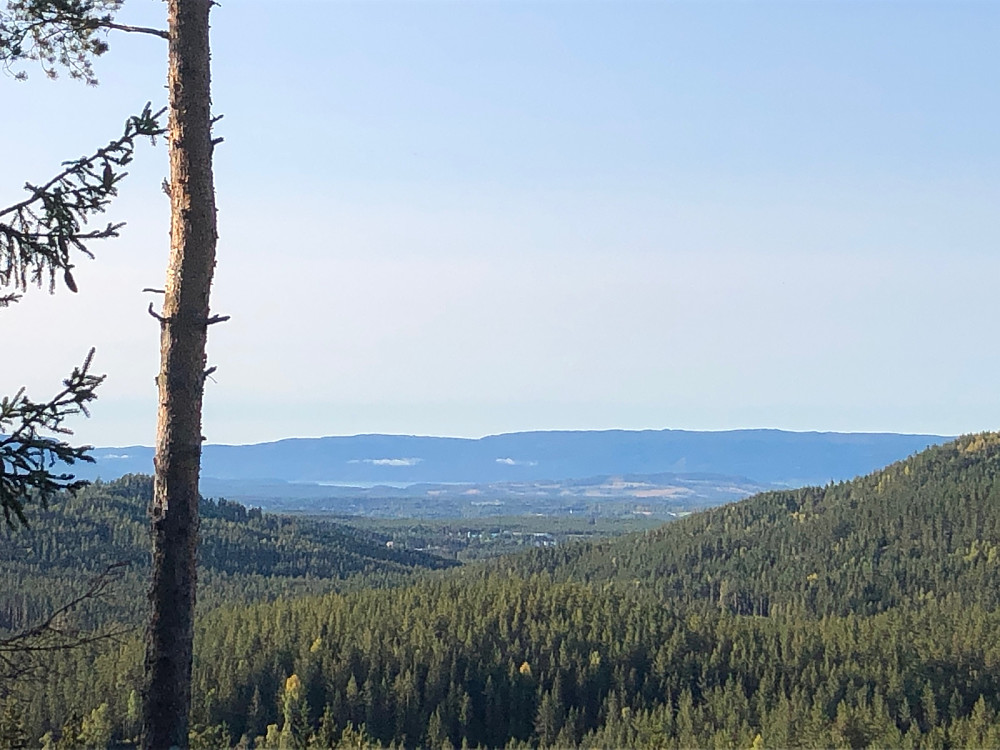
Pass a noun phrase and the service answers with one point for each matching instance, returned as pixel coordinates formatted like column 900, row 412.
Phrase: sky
column 465, row 218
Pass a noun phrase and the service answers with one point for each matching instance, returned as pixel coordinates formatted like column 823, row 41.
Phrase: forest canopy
column 860, row 614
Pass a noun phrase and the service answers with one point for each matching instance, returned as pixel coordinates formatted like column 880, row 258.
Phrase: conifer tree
column 295, row 714
column 12, row 731
column 96, row 728
column 38, row 239
column 184, row 322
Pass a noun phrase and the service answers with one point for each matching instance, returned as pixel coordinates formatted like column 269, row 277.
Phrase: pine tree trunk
column 174, row 510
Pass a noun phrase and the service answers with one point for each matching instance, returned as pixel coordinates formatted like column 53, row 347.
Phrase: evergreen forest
column 860, row 614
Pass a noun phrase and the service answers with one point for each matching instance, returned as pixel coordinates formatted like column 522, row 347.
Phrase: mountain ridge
column 767, row 456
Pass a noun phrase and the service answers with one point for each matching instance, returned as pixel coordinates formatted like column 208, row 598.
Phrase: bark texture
column 184, row 321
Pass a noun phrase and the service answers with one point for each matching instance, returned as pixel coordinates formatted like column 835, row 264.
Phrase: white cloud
column 387, row 461
column 513, row 462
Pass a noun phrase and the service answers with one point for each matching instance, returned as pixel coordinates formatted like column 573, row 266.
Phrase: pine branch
column 135, row 29
column 56, row 34
column 27, row 456
column 38, row 234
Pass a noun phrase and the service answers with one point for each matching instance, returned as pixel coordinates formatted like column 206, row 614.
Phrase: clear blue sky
column 462, row 218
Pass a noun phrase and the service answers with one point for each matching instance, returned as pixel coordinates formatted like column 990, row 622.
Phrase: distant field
column 625, row 496
column 472, row 539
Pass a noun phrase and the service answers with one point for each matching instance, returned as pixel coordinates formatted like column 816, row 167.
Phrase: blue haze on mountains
column 773, row 457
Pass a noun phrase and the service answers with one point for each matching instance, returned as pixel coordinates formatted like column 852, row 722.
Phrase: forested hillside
column 244, row 556
column 856, row 615
column 493, row 660
column 922, row 528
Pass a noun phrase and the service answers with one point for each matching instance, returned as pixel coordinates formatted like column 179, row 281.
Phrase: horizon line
column 553, row 431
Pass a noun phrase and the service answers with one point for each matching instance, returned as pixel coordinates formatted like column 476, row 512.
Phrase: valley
column 659, row 474
column 499, row 375
column 659, row 496
column 861, row 613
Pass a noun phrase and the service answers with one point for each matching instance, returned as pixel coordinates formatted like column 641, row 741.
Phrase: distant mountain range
column 767, row 457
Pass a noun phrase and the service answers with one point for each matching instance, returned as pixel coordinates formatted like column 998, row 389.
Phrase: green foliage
column 38, row 234
column 295, row 715
column 55, row 33
column 210, row 738
column 95, row 730
column 921, row 529
column 245, row 555
column 487, row 659
column 13, row 733
column 515, row 653
column 27, row 456
column 468, row 539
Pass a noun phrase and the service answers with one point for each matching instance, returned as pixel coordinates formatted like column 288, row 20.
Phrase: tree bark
column 184, row 322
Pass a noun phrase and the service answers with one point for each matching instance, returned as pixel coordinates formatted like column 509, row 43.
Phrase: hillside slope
column 920, row 528
column 244, row 555
column 511, row 654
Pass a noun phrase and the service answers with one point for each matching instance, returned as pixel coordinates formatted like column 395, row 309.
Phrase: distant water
column 356, row 484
